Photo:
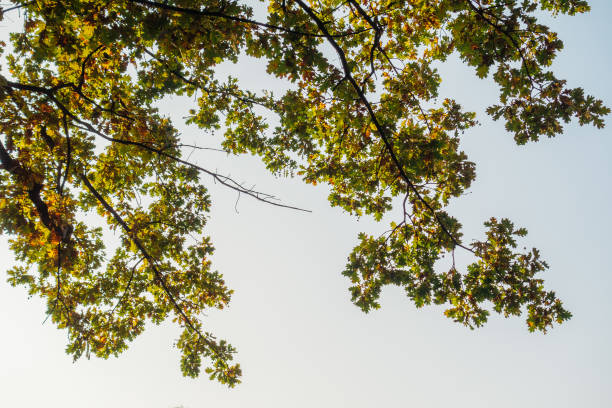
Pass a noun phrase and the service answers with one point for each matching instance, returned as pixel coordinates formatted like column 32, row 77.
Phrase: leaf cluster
column 81, row 135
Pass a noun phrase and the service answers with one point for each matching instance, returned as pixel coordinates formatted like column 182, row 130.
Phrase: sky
column 301, row 343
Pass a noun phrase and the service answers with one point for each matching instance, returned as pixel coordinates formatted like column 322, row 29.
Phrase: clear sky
column 302, row 343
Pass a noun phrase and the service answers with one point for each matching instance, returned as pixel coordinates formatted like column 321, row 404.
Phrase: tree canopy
column 83, row 133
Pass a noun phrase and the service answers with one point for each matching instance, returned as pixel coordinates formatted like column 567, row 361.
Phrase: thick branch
column 34, row 188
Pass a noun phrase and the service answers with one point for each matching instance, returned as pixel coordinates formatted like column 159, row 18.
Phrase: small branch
column 17, row 7
column 481, row 14
column 68, row 154
column 127, row 287
column 83, row 65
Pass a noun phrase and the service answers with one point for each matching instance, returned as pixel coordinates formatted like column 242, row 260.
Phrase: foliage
column 81, row 134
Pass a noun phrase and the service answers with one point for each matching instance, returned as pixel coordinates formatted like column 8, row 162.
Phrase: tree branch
column 218, row 14
column 159, row 277
column 379, row 128
column 223, row 180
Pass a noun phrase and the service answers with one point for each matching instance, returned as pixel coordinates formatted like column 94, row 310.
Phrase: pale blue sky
column 303, row 344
